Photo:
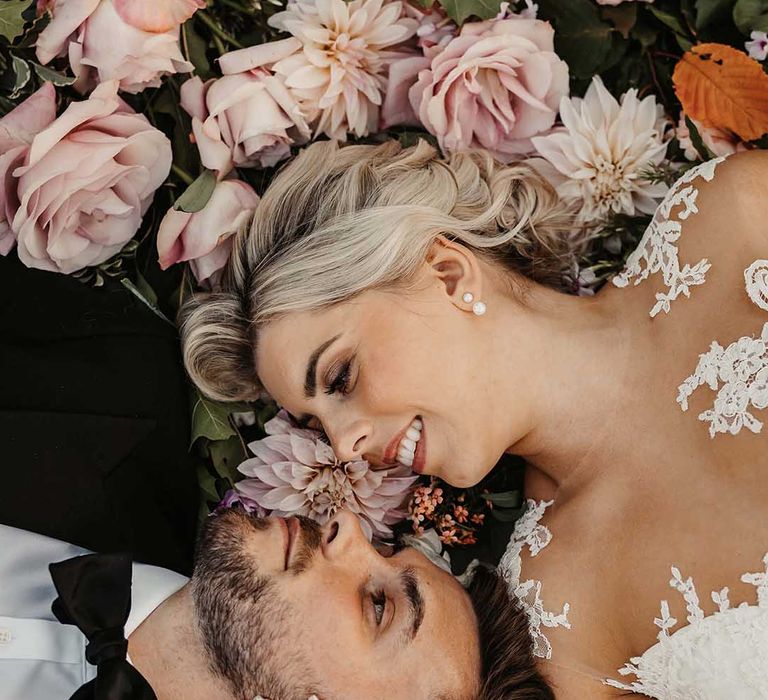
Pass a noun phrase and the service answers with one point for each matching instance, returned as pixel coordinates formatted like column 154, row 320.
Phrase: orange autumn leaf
column 724, row 88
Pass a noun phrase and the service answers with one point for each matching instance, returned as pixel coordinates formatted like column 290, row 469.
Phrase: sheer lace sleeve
column 530, row 533
column 657, row 251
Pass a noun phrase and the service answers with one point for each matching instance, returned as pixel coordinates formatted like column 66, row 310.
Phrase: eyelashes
column 340, row 382
column 379, row 605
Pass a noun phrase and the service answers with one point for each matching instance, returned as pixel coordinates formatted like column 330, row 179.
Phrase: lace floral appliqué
column 726, row 649
column 529, row 532
column 739, row 373
column 657, row 250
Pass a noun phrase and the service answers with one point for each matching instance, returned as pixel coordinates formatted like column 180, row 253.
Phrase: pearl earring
column 479, row 308
column 468, row 298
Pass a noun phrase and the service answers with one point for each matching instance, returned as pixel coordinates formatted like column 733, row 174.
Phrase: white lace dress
column 724, row 655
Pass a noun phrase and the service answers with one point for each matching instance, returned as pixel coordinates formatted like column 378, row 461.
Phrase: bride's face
column 363, row 370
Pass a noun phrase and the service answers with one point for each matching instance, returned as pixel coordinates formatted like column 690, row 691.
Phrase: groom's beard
column 243, row 621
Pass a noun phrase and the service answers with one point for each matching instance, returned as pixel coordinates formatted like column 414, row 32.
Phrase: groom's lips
column 292, row 528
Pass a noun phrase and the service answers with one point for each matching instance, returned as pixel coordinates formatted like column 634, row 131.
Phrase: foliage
column 720, row 86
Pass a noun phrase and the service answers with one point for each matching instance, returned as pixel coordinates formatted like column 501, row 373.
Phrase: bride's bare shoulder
column 731, row 206
column 709, row 229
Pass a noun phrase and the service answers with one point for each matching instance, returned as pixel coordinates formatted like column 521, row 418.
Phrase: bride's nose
column 350, row 439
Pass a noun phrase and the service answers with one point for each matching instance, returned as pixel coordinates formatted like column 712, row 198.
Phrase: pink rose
column 103, row 45
column 204, row 238
column 247, row 117
column 86, row 178
column 720, row 142
column 157, row 15
column 494, row 86
column 17, row 130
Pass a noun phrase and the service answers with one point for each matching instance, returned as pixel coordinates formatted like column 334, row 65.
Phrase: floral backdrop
column 137, row 136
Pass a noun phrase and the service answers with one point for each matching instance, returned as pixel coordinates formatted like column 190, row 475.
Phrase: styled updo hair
column 339, row 220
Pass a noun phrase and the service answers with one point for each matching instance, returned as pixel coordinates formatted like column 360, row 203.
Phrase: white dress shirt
column 40, row 658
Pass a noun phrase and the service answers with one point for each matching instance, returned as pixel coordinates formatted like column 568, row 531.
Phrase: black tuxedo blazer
column 94, row 419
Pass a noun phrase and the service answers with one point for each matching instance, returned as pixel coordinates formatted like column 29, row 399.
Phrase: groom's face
column 305, row 609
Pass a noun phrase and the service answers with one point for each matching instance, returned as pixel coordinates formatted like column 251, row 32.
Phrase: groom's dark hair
column 508, row 667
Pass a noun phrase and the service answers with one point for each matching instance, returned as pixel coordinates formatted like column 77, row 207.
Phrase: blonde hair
column 339, row 220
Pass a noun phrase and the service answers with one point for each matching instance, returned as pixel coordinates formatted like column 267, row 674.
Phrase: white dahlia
column 601, row 154
column 295, row 472
column 339, row 75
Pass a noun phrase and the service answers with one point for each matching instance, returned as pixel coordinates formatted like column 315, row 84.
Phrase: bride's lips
column 420, row 457
column 389, row 457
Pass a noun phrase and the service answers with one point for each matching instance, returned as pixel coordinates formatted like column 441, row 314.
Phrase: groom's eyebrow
column 410, row 585
column 310, row 378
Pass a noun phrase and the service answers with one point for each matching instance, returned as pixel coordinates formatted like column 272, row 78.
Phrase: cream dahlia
column 295, row 472
column 339, row 75
column 601, row 154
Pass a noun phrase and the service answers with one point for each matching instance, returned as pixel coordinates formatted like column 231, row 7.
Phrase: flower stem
column 238, row 6
column 183, row 175
column 217, row 30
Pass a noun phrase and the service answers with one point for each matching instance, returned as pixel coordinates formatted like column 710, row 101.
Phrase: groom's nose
column 343, row 537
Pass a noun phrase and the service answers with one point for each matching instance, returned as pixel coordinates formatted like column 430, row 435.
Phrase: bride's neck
column 577, row 384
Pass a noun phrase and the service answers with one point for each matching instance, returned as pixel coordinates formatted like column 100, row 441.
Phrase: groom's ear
column 455, row 268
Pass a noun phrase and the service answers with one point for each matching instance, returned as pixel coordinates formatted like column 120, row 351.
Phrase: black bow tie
column 95, row 594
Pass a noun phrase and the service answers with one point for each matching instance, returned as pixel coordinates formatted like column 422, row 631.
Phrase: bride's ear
column 456, row 269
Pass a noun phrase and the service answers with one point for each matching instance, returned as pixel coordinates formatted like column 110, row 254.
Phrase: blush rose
column 84, row 180
column 103, row 45
column 204, row 238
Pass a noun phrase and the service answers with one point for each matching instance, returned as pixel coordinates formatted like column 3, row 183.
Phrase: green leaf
column 460, row 10
column 582, row 39
column 196, row 196
column 227, row 456
column 11, row 20
column 210, row 419
column 751, row 15
column 23, row 73
column 505, row 499
column 133, row 289
column 697, row 141
column 669, row 20
column 707, row 11
column 206, row 479
column 424, row 4
column 622, row 16
column 196, row 51
column 47, row 75
column 645, row 31
column 146, row 289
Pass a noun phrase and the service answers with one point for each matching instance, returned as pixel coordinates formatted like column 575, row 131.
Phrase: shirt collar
column 151, row 587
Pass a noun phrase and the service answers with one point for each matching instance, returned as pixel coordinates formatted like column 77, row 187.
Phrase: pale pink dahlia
column 295, row 472
column 339, row 75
